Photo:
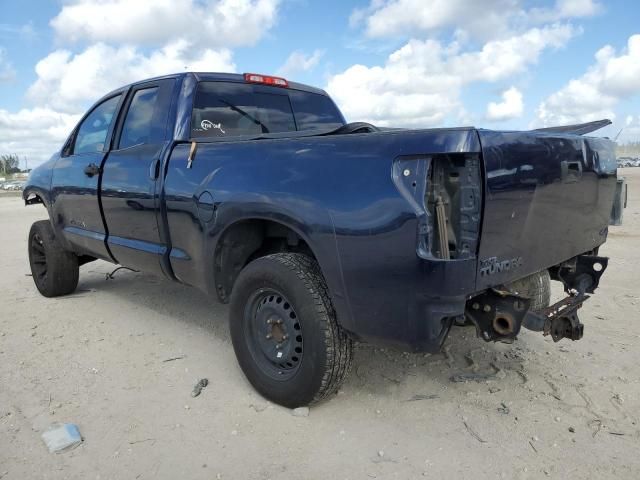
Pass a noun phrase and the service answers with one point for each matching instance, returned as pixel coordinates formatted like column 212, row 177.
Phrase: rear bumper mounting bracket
column 559, row 320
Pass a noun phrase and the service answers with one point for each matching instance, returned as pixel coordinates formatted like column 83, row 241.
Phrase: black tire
column 286, row 291
column 54, row 270
column 537, row 287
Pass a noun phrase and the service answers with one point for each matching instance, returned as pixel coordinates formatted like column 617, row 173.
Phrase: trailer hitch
column 498, row 315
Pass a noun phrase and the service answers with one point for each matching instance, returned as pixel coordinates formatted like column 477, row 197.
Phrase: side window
column 229, row 109
column 92, row 133
column 138, row 122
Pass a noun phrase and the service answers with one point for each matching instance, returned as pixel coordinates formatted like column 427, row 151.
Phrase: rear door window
column 138, row 123
column 232, row 109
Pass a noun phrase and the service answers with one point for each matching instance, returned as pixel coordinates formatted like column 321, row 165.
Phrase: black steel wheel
column 284, row 330
column 274, row 334
column 54, row 270
column 38, row 258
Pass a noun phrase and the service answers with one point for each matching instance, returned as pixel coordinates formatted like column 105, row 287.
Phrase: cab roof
column 216, row 77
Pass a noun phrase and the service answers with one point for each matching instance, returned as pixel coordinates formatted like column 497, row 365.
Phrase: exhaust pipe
column 504, row 324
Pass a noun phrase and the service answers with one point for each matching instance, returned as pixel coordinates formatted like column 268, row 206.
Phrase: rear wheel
column 54, row 270
column 284, row 330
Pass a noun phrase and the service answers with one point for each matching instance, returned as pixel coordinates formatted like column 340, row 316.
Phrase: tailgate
column 548, row 198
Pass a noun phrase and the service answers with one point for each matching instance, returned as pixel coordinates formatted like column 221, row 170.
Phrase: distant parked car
column 14, row 186
column 628, row 162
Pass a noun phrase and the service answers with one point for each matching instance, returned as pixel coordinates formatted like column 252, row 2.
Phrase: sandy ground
column 97, row 359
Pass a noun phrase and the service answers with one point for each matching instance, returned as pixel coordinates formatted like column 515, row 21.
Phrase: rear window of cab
column 225, row 109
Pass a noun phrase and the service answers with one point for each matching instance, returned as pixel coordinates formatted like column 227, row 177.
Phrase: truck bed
column 540, row 198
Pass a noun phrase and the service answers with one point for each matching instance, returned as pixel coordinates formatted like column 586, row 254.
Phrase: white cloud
column 35, row 133
column 487, row 19
column 300, row 62
column 500, row 59
column 121, row 41
column 67, row 82
column 361, row 94
column 631, row 130
column 566, row 9
column 7, row 73
column 402, row 17
column 420, row 84
column 207, row 23
column 595, row 94
column 511, row 106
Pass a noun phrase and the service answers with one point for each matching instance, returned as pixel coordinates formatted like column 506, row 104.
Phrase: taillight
column 265, row 80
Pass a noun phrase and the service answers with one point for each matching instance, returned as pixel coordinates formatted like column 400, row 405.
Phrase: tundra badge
column 491, row 265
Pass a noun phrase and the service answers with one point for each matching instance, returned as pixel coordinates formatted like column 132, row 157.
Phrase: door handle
column 91, row 170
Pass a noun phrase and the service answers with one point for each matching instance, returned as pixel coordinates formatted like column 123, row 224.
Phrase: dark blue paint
column 88, row 234
column 137, row 247
column 74, row 203
column 546, row 198
column 365, row 242
column 538, row 208
column 130, row 201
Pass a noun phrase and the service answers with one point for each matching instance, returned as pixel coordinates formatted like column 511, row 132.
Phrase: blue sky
column 497, row 64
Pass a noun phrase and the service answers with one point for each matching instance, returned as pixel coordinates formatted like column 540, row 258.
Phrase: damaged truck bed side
column 254, row 190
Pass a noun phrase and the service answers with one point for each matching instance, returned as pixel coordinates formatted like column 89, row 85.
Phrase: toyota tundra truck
column 321, row 233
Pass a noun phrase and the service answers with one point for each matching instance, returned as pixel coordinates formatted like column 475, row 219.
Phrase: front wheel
column 54, row 270
column 284, row 330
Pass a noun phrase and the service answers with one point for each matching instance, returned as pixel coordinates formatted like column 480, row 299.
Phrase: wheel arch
column 33, row 195
column 252, row 237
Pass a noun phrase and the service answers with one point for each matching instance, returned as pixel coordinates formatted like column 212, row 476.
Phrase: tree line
column 9, row 164
column 631, row 149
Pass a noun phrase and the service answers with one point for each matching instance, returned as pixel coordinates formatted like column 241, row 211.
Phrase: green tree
column 9, row 164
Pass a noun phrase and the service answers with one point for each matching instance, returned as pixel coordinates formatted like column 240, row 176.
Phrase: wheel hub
column 276, row 333
column 38, row 258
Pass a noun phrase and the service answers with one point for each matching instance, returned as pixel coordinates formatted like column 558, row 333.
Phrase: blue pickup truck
column 318, row 232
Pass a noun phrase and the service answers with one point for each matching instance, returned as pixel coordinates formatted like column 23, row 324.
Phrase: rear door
column 129, row 197
column 548, row 198
column 76, row 176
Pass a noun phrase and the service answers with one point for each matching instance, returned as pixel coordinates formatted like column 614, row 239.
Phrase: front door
column 128, row 192
column 75, row 181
